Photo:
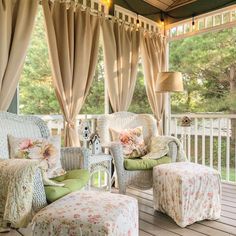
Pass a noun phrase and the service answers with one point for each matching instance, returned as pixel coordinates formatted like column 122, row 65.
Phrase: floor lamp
column 169, row 82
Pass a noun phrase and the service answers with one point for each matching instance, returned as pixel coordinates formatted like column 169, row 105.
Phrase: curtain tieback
column 70, row 124
column 158, row 121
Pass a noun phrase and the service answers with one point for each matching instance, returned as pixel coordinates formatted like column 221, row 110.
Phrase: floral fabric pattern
column 45, row 150
column 132, row 142
column 187, row 192
column 88, row 213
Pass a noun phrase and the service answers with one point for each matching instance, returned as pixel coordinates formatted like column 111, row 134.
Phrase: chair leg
column 122, row 187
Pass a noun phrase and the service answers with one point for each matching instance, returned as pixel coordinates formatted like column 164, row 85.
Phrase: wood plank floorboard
column 143, row 233
column 155, row 223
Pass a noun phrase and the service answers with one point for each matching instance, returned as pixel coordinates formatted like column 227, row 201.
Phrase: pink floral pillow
column 45, row 150
column 132, row 142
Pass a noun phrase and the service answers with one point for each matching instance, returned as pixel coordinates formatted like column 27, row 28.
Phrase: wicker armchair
column 34, row 127
column 141, row 179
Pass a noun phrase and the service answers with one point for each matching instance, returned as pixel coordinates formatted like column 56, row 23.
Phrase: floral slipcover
column 88, row 213
column 187, row 192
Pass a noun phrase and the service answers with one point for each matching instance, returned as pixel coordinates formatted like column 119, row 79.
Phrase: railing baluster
column 219, row 145
column 228, row 151
column 203, row 141
column 92, row 125
column 211, row 143
column 189, row 143
column 196, row 139
column 234, row 159
column 182, row 137
column 176, row 127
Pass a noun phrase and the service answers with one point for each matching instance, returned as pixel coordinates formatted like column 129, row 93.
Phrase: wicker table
column 100, row 163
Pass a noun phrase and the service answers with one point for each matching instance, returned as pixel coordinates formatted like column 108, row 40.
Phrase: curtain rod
column 95, row 12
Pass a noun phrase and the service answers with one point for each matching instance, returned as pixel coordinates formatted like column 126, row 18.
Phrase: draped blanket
column 160, row 146
column 16, row 191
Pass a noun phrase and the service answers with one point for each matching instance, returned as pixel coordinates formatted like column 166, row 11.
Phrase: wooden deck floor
column 155, row 223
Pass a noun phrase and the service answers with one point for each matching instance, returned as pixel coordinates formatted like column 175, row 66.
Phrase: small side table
column 100, row 163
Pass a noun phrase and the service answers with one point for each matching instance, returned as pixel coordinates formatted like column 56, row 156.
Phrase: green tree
column 94, row 103
column 208, row 65
column 140, row 102
column 37, row 95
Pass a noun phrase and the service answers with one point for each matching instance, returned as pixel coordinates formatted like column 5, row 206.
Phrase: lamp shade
column 170, row 82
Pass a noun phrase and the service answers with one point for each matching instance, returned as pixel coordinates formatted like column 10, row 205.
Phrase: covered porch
column 208, row 139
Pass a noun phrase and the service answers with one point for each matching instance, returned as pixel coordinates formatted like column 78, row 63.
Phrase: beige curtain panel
column 121, row 51
column 16, row 24
column 153, row 51
column 73, row 37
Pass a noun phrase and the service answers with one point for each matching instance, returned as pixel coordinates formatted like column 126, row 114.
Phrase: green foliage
column 140, row 102
column 37, row 95
column 205, row 61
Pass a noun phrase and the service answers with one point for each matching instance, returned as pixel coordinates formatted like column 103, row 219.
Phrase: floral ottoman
column 187, row 192
column 88, row 213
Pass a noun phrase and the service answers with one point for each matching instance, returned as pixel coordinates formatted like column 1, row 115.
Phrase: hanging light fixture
column 162, row 19
column 106, row 2
column 169, row 82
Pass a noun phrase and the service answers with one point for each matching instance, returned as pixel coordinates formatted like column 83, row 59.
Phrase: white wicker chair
column 123, row 120
column 34, row 127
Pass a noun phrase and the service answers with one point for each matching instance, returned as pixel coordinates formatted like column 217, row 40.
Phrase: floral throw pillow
column 47, row 151
column 132, row 142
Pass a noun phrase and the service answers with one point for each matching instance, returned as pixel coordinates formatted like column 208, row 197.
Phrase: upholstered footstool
column 88, row 213
column 187, row 192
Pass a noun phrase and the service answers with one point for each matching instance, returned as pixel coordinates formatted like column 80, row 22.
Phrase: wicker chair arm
column 74, row 158
column 117, row 153
column 39, row 195
column 173, row 149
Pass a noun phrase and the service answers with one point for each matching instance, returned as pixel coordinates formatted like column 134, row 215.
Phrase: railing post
column 228, row 151
column 203, row 141
column 211, row 143
column 196, row 139
column 219, row 145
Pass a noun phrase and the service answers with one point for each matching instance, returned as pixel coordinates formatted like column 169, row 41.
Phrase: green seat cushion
column 74, row 180
column 144, row 164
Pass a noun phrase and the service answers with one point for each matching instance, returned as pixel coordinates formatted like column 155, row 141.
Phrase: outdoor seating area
column 117, row 117
column 152, row 222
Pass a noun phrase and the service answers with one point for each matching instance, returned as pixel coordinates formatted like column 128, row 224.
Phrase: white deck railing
column 208, row 141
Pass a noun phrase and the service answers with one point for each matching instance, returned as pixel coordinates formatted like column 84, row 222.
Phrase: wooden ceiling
column 174, row 10
column 168, row 5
